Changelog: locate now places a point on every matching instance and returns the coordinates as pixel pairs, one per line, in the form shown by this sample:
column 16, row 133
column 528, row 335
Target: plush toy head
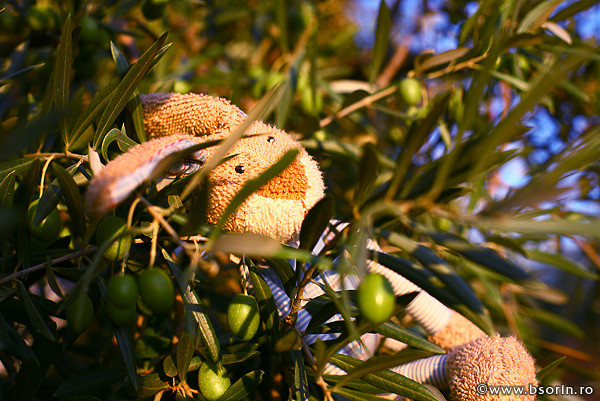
column 277, row 209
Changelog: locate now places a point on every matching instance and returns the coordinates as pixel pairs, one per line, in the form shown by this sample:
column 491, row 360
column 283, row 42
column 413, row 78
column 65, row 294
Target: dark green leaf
column 556, row 322
column 300, row 380
column 392, row 330
column 374, row 371
column 28, row 380
column 481, row 255
column 36, row 319
column 24, row 136
column 367, row 172
column 137, row 112
column 572, row 9
column 561, row 262
column 241, row 356
column 72, row 197
column 125, row 89
column 243, row 387
column 51, row 278
column 126, row 346
column 16, row 166
column 546, row 370
column 442, row 58
column 7, row 189
column 185, row 352
column 89, row 382
column 382, row 38
column 194, row 305
column 50, row 198
column 266, row 302
column 123, row 141
column 148, row 386
column 62, row 75
column 285, row 272
column 315, row 222
column 169, row 367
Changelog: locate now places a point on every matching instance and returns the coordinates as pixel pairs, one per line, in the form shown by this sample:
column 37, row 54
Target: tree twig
column 20, row 273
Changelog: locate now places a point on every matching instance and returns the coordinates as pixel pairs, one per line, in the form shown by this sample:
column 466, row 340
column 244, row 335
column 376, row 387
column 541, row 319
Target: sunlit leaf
column 243, row 387
column 382, row 37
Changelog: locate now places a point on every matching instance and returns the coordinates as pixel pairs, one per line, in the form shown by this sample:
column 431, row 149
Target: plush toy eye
column 270, row 139
column 239, row 169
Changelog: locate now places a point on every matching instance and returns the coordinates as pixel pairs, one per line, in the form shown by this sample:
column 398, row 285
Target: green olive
column 120, row 316
column 375, row 298
column 123, row 291
column 410, row 91
column 154, row 9
column 243, row 316
column 89, row 30
column 80, row 313
column 156, row 290
column 48, row 229
column 212, row 382
column 109, row 228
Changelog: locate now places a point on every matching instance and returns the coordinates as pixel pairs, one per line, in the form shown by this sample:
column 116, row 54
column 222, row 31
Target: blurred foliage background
column 489, row 168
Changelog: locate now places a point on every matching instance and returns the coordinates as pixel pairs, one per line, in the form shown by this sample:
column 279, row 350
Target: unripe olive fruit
column 48, row 229
column 123, row 291
column 243, row 316
column 156, row 290
column 120, row 316
column 109, row 228
column 89, row 30
column 375, row 298
column 410, row 91
column 80, row 313
column 154, row 9
column 212, row 382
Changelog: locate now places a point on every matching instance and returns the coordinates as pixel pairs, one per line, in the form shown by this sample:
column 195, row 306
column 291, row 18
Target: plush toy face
column 276, row 209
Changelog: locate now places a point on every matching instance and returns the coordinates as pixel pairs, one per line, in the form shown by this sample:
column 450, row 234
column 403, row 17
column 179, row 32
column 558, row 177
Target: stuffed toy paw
column 177, row 123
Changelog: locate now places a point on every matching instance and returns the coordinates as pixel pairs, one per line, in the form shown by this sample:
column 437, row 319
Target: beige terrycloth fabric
column 193, row 114
column 278, row 208
column 459, row 330
column 493, row 361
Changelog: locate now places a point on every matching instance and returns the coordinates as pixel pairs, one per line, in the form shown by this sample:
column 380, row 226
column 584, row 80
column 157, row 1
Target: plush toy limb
column 119, row 178
column 193, row 114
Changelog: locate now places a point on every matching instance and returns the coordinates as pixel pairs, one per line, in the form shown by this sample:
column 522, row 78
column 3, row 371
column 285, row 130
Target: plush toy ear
column 123, row 175
column 193, row 114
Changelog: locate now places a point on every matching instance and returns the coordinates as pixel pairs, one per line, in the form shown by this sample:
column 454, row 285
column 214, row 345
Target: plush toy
column 176, row 122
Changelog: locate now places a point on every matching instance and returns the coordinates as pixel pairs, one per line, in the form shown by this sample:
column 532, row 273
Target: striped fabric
column 430, row 370
column 425, row 309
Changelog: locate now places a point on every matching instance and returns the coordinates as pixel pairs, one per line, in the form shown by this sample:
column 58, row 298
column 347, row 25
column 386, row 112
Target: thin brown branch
column 394, row 65
column 64, row 154
column 32, row 269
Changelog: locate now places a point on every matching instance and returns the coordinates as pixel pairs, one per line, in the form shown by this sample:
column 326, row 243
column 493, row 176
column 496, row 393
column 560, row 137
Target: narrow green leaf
column 442, row 58
column 240, row 356
column 50, row 198
column 123, row 140
column 125, row 89
column 36, row 319
column 266, row 302
column 16, row 166
column 316, row 221
column 539, row 14
column 89, row 382
column 374, row 371
column 285, row 272
column 354, row 395
column 243, row 387
column 73, row 198
column 572, row 9
column 546, row 370
column 563, row 263
column 28, row 380
column 382, row 38
column 137, row 112
column 169, row 366
column 147, row 386
column 23, row 137
column 62, row 77
column 556, row 322
column 252, row 185
column 185, row 352
column 300, row 380
column 51, row 278
column 417, row 136
column 392, row 330
column 367, row 172
column 126, row 346
column 7, row 189
column 481, row 255
column 194, row 305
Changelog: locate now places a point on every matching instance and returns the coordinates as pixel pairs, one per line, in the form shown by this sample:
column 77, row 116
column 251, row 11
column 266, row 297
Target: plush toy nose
column 291, row 183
